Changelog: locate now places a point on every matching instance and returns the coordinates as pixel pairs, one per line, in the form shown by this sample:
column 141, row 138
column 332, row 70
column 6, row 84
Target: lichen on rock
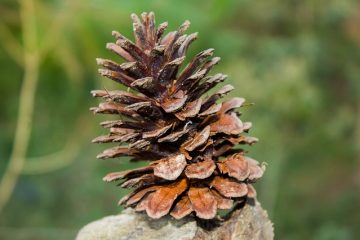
column 247, row 223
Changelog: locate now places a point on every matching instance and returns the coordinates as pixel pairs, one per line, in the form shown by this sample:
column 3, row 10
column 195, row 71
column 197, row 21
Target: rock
column 248, row 223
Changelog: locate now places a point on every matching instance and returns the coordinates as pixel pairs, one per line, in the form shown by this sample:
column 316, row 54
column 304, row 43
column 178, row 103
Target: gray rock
column 248, row 223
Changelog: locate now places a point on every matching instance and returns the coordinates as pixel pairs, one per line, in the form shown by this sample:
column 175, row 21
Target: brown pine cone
column 189, row 138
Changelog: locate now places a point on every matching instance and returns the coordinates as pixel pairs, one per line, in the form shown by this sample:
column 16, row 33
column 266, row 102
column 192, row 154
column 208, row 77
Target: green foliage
column 298, row 61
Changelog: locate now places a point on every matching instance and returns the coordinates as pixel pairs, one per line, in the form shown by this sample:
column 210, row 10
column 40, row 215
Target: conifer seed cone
column 189, row 137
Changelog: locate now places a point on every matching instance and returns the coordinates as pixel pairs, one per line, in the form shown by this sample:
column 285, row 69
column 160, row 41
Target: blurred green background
column 299, row 61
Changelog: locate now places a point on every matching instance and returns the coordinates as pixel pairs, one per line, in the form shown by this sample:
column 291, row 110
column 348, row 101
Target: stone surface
column 249, row 222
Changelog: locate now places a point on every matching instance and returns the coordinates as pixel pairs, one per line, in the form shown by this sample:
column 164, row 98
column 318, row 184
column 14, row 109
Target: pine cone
column 189, row 138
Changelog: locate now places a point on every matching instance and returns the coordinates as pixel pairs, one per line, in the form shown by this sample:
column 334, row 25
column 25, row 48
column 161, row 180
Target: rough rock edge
column 248, row 223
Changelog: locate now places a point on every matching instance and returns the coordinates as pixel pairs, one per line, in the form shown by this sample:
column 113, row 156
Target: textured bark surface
column 248, row 223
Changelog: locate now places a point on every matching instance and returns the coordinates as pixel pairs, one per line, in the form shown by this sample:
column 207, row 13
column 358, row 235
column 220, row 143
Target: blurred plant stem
column 60, row 159
column 51, row 40
column 26, row 102
column 11, row 45
column 29, row 56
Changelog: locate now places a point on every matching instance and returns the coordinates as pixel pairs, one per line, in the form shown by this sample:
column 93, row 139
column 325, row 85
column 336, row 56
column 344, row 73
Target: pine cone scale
column 163, row 199
column 170, row 168
column 200, row 170
column 203, row 202
column 182, row 208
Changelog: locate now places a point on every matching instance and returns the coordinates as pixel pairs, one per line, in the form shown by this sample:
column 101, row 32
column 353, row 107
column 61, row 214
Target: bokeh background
column 298, row 61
